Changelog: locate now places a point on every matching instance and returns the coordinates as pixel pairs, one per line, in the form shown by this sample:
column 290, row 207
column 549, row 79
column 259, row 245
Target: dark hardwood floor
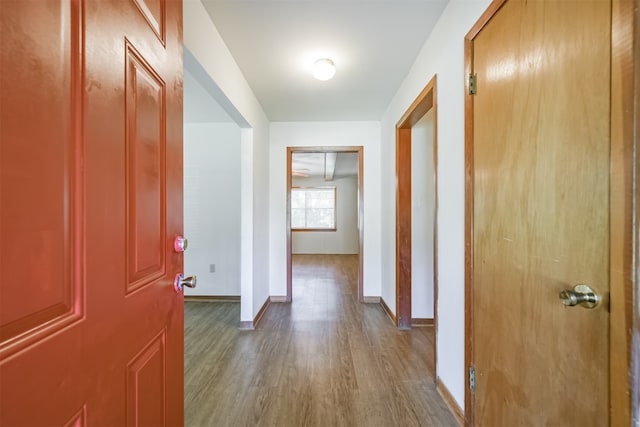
column 324, row 360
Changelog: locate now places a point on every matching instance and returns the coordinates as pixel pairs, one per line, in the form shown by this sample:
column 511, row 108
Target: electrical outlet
column 212, row 268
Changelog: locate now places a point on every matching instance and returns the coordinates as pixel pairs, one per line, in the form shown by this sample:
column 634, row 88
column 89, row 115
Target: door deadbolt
column 180, row 244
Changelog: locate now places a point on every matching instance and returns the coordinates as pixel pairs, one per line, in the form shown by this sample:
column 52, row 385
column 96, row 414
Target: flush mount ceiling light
column 324, row 69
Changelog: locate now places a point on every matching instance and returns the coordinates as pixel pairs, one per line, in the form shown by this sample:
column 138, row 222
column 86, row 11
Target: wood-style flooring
column 324, row 360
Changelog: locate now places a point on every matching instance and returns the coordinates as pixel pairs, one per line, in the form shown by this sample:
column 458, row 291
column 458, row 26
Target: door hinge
column 473, row 80
column 472, row 379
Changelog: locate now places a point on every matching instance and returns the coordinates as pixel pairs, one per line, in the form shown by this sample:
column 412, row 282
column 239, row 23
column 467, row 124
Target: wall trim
column 425, row 102
column 212, row 298
column 634, row 375
column 371, row 300
column 248, row 325
column 278, row 298
column 263, row 310
column 623, row 205
column 422, row 322
column 468, row 203
column 387, row 310
column 450, row 401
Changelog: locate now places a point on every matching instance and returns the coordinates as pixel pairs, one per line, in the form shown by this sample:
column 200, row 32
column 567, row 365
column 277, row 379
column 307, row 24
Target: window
column 313, row 208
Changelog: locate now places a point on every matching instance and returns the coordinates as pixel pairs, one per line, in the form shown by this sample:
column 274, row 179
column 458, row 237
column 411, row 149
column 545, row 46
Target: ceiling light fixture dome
column 324, row 69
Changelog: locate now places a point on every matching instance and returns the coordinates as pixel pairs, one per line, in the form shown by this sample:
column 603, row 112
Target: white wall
column 422, row 212
column 323, row 134
column 212, row 207
column 264, row 183
column 344, row 240
column 442, row 54
column 231, row 90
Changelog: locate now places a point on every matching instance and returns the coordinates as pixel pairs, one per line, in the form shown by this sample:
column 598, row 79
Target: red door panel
column 154, row 12
column 39, row 197
column 91, row 329
column 146, row 377
column 145, row 112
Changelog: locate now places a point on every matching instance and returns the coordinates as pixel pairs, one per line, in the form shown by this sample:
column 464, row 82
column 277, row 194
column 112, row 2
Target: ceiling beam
column 329, row 165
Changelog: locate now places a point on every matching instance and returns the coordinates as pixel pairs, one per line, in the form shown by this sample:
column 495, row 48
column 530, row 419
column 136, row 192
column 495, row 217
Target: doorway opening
column 416, row 196
column 212, row 153
column 335, row 174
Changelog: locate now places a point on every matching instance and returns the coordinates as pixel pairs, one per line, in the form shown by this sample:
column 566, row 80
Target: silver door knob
column 580, row 295
column 180, row 282
column 180, row 244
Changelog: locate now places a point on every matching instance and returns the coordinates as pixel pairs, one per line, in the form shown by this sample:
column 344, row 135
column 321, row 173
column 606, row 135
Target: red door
column 91, row 329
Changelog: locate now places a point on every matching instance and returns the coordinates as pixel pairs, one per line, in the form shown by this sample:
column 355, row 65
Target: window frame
column 335, row 209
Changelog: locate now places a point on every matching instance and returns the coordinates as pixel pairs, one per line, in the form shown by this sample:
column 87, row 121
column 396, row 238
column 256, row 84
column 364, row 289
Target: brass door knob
column 580, row 295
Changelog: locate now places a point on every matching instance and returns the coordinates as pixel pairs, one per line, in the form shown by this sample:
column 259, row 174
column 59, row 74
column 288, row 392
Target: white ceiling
column 372, row 42
column 313, row 165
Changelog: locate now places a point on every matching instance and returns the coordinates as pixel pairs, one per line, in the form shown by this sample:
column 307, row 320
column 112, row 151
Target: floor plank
column 324, row 360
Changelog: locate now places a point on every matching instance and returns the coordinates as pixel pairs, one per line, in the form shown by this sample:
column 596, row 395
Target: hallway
column 324, row 360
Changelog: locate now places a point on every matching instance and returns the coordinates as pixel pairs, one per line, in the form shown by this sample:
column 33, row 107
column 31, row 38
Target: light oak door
column 541, row 213
column 91, row 328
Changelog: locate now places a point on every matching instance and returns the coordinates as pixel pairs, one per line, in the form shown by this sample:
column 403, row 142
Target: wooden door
column 541, row 213
column 91, row 329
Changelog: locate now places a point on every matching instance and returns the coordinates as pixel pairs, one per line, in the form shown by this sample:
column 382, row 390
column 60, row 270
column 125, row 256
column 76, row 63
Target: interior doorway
column 416, row 128
column 212, row 212
column 330, row 165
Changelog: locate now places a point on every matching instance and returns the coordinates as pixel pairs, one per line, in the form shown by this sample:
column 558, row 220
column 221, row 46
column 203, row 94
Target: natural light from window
column 313, row 208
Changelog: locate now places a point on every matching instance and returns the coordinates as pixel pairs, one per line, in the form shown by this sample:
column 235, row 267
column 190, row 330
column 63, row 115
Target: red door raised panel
column 91, row 329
